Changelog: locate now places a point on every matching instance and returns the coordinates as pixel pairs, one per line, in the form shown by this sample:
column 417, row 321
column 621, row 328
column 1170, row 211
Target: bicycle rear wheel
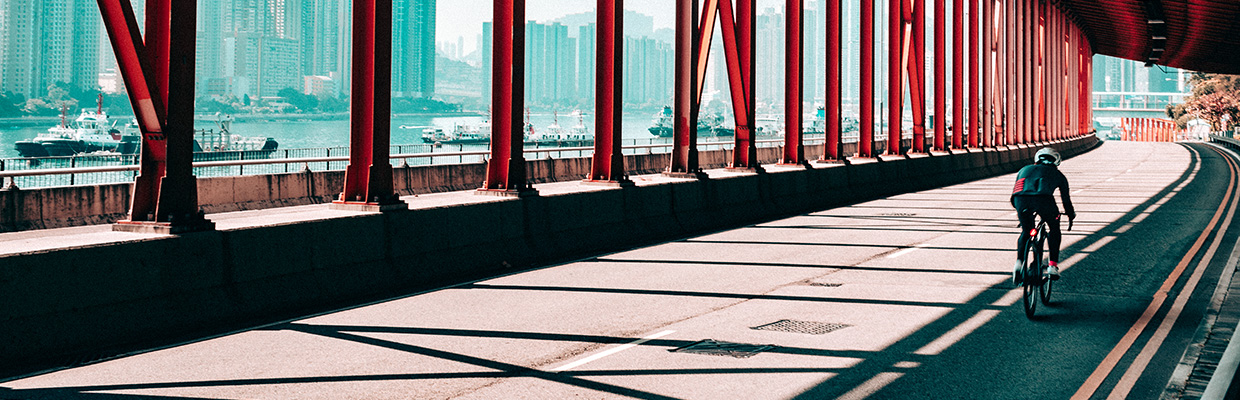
column 1031, row 258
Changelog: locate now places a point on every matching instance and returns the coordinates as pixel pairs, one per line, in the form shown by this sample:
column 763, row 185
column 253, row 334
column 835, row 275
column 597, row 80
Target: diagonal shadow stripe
column 792, row 265
column 740, row 296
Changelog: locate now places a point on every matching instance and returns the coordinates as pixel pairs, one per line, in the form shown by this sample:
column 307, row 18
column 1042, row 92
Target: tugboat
column 90, row 132
column 213, row 145
column 708, row 125
column 577, row 135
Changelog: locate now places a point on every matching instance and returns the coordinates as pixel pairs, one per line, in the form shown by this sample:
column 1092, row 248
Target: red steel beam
column 865, row 143
column 834, row 146
column 608, row 160
column 684, row 157
column 793, row 80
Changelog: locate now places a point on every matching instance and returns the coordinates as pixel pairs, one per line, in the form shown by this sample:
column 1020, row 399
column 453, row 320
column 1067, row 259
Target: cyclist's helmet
column 1047, row 156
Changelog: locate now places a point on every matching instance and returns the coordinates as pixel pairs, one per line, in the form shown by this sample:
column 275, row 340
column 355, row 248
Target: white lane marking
column 611, row 351
column 905, row 251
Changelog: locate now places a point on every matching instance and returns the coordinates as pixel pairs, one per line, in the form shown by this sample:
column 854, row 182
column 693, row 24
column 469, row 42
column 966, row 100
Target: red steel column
column 1037, row 11
column 834, row 146
column 865, row 143
column 155, row 163
column 368, row 177
column 974, row 72
column 917, row 74
column 745, row 151
column 940, row 76
column 145, row 97
column 958, row 82
column 1009, row 72
column 684, row 133
column 793, row 80
column 1023, row 57
column 607, row 164
column 1018, row 71
column 989, row 64
column 506, row 168
column 178, row 193
column 895, row 81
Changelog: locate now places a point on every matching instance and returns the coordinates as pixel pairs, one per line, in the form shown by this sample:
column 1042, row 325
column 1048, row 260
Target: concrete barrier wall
column 101, row 204
column 97, row 300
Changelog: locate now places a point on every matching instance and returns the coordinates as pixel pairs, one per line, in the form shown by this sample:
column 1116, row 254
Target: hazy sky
column 456, row 18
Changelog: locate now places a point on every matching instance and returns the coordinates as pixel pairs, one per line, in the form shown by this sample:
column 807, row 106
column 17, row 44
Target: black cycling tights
column 1026, row 207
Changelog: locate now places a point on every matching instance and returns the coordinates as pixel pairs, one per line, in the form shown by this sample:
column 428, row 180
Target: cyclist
column 1034, row 193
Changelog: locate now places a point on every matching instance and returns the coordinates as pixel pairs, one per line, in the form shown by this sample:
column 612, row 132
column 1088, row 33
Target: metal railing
column 94, row 169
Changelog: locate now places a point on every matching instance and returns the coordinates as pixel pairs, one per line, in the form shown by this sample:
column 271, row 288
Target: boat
column 662, row 125
column 91, row 131
column 554, row 134
column 222, row 144
column 467, row 134
column 708, row 125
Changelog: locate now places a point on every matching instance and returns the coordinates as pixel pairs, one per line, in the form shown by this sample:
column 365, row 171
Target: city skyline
column 260, row 47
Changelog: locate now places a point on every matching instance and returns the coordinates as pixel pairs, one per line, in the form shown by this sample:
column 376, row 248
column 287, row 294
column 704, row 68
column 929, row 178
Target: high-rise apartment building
column 587, row 59
column 47, row 41
column 413, row 48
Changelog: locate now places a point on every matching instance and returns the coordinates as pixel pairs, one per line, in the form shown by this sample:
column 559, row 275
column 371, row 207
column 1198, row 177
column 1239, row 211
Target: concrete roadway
column 919, row 285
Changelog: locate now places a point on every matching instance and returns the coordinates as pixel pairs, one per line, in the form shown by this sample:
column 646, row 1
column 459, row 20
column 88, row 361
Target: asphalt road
column 906, row 297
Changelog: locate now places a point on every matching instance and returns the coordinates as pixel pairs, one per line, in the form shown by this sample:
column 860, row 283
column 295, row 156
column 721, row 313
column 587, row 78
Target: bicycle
column 1035, row 286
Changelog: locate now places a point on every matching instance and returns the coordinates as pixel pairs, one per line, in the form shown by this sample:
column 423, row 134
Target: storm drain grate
column 896, row 214
column 825, row 284
column 810, row 327
column 713, row 347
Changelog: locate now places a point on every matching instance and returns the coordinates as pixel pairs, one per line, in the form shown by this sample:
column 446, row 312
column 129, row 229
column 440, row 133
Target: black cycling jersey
column 1042, row 180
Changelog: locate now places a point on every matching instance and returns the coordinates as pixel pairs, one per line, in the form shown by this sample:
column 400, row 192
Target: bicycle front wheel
column 1045, row 280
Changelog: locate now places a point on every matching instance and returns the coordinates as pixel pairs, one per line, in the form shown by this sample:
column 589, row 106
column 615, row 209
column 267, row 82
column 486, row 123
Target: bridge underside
column 906, row 296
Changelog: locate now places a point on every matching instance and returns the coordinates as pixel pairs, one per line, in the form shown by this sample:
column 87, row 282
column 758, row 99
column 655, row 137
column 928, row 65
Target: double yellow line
column 1129, row 379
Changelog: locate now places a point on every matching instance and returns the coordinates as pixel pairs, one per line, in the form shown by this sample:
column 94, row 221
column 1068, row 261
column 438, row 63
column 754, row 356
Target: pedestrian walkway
column 902, row 297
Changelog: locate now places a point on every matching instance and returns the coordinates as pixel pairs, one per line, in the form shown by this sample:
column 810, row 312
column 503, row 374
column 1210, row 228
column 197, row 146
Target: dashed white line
column 611, row 351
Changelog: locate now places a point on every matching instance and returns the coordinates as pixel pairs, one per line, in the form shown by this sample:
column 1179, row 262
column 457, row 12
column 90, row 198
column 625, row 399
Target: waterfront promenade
column 907, row 296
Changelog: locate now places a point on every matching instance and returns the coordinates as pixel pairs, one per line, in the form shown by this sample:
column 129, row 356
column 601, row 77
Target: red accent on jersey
column 1020, row 185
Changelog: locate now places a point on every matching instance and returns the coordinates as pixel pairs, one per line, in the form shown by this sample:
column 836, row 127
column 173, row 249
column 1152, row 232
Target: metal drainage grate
column 810, row 327
column 896, row 214
column 825, row 284
column 713, row 347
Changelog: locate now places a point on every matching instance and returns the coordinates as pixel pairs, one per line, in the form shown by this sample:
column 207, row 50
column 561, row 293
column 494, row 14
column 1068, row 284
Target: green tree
column 303, row 102
column 1215, row 98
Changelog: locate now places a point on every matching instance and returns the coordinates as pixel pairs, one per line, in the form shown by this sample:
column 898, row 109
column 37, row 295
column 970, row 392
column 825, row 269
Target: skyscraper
column 47, row 41
column 413, row 48
column 587, row 41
